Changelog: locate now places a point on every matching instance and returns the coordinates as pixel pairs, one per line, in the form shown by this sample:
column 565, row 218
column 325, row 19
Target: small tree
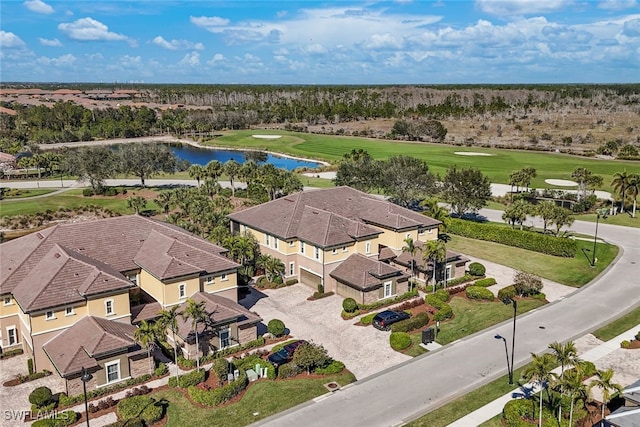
column 276, row 327
column 477, row 269
column 526, row 283
column 137, row 203
column 311, row 356
column 349, row 305
column 604, row 381
column 41, row 396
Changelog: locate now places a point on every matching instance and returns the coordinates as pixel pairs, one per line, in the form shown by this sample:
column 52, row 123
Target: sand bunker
column 267, row 136
column 471, row 153
column 561, row 182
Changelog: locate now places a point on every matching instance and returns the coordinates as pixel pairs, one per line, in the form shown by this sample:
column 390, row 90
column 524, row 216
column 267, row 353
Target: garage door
column 309, row 278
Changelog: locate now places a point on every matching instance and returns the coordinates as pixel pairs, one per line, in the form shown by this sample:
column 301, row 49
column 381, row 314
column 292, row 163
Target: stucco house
column 115, row 271
column 316, row 232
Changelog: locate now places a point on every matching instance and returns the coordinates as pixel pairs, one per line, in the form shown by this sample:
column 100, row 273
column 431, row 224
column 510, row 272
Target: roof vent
column 56, row 255
column 40, row 236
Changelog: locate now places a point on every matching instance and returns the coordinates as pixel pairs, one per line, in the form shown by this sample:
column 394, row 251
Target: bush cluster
column 408, row 305
column 335, row 367
column 289, row 370
column 411, row 324
column 41, row 396
column 625, row 344
column 399, row 340
column 250, row 362
column 276, row 327
column 290, row 282
column 219, row 395
column 320, row 295
column 364, row 308
column 102, row 405
column 137, row 391
column 508, row 292
column 160, row 370
column 349, row 305
column 438, row 299
column 64, row 400
column 527, row 284
column 444, row 313
column 478, row 292
column 529, row 240
column 144, row 407
column 489, row 281
column 477, row 269
column 368, row 319
column 194, row 377
column 221, row 368
column 455, row 282
column 65, row 418
column 11, row 353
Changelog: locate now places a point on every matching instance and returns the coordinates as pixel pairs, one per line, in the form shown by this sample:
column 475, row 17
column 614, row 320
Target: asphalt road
column 404, row 392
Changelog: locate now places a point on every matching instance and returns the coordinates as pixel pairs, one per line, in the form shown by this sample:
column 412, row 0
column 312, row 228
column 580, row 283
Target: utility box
column 428, row 335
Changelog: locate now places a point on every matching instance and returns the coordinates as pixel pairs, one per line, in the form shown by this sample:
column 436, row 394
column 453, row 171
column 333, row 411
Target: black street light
column 506, row 352
column 86, row 377
column 513, row 302
column 599, row 213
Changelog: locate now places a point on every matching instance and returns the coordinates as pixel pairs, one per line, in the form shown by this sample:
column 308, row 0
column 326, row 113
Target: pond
column 202, row 156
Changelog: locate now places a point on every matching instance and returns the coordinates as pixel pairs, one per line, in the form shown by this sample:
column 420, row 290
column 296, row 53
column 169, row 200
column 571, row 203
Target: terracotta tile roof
column 88, row 339
column 365, row 274
column 221, row 310
column 145, row 312
column 311, row 213
column 386, row 254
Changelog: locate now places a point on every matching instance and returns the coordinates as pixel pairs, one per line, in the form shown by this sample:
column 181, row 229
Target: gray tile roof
column 364, row 273
column 331, row 216
column 89, row 338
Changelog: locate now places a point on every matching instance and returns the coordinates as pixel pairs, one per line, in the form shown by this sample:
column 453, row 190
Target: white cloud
column 281, row 14
column 520, row 7
column 383, row 41
column 61, row 61
column 315, row 48
column 89, row 29
column 10, row 40
column 617, row 4
column 191, row 59
column 209, row 21
column 38, row 6
column 177, row 44
column 50, row 42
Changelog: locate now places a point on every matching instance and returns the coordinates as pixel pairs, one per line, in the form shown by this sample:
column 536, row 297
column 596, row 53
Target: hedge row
column 478, row 292
column 365, row 308
column 194, row 377
column 444, row 313
column 219, row 395
column 529, row 240
column 335, row 367
column 411, row 324
column 489, row 281
column 289, row 370
column 62, row 419
column 143, row 407
column 65, row 400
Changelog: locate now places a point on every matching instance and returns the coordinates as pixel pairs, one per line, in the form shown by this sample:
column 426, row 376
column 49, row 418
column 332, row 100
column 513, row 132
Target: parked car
column 385, row 319
column 285, row 354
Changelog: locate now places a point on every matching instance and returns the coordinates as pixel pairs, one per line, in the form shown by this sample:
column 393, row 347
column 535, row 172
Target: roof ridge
column 298, row 197
column 56, row 246
column 18, row 267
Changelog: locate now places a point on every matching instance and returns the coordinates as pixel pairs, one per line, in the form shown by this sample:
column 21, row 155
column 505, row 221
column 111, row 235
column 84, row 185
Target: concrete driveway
column 364, row 350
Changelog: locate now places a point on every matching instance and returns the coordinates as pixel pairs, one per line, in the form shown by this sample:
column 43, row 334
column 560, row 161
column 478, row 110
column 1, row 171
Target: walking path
column 595, row 355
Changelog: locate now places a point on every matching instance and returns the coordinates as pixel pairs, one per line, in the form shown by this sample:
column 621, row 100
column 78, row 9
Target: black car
column 385, row 319
column 285, row 354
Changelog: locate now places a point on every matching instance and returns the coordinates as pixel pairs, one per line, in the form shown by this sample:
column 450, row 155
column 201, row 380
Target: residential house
column 123, row 269
column 314, row 232
column 629, row 414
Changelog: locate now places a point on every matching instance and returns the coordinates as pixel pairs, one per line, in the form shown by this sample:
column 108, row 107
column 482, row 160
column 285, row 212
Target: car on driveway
column 385, row 319
column 285, row 354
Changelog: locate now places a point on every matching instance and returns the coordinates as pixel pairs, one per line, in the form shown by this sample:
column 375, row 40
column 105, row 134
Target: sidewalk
column 495, row 407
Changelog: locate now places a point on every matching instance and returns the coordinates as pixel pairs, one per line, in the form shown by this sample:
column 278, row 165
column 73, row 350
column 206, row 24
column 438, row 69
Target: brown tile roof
column 145, row 312
column 365, row 274
column 64, row 277
column 221, row 310
column 88, row 339
column 308, row 214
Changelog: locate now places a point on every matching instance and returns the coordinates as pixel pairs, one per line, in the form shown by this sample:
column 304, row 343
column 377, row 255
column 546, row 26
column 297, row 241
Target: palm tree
column 620, row 184
column 633, row 190
column 434, row 251
column 197, row 313
column 136, row 203
column 196, row 172
column 213, row 169
column 574, row 387
column 232, row 169
column 145, row 335
column 565, row 355
column 164, row 201
column 411, row 249
column 604, row 381
column 539, row 372
column 433, row 210
column 169, row 319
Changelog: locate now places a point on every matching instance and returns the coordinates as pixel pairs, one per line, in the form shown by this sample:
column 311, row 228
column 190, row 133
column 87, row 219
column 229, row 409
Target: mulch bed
column 634, row 344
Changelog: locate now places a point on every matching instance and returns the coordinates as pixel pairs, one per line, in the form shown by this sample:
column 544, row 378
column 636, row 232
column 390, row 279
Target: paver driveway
column 364, row 350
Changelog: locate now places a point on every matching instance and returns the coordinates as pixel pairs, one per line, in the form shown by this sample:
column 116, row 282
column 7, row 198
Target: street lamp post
column 513, row 302
column 86, row 377
column 506, row 352
column 599, row 213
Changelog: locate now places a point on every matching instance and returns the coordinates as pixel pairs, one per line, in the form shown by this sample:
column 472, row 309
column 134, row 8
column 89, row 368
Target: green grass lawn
column 474, row 316
column 493, row 422
column 618, row 326
column 265, row 397
column 624, row 219
column 20, row 193
column 568, row 271
column 497, row 167
column 415, row 349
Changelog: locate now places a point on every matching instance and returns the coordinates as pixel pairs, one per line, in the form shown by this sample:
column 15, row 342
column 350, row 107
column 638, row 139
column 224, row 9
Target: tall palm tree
column 169, row 319
column 620, row 183
column 197, row 313
column 566, row 355
column 539, row 372
column 411, row 248
column 604, row 381
column 213, row 169
column 434, row 251
column 163, row 200
column 146, row 335
column 433, row 210
column 232, row 169
column 136, row 203
column 196, row 172
column 573, row 386
column 633, row 189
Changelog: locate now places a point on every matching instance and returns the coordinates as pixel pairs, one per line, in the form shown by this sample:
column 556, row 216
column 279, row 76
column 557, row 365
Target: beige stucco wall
column 8, row 309
column 217, row 284
column 96, row 307
column 10, row 321
column 101, row 375
column 40, row 323
column 167, row 293
column 151, row 285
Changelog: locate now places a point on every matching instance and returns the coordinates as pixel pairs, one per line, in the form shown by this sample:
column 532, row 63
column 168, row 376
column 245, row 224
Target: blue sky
column 314, row 42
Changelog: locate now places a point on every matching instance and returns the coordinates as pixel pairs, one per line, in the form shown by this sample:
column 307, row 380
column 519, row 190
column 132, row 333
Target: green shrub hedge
column 62, row 419
column 64, row 400
column 250, row 362
column 219, row 395
column 478, row 292
column 276, row 327
column 368, row 319
column 489, row 281
column 41, row 396
column 289, row 370
column 335, row 367
column 143, row 407
column 507, row 293
column 543, row 243
column 399, row 340
column 194, row 377
column 434, row 301
column 445, row 312
column 160, row 370
column 477, row 269
column 349, row 305
column 443, row 295
column 220, row 367
column 411, row 324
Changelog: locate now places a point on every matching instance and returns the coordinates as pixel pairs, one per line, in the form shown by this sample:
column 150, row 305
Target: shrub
column 219, row 395
column 411, row 324
column 408, row 305
column 41, row 396
column 289, row 370
column 445, row 312
column 64, row 400
column 221, row 368
column 250, row 362
column 625, row 344
column 399, row 340
column 160, row 370
column 259, row 342
column 508, row 292
column 478, row 292
column 443, row 295
column 489, row 281
column 11, row 353
column 458, row 281
column 320, row 288
column 143, row 407
column 186, row 363
column 335, row 367
column 276, row 327
column 194, row 377
column 368, row 319
column 476, row 269
column 310, row 356
column 291, row 282
column 30, row 366
column 87, row 192
column 434, row 301
column 526, row 283
column 637, row 337
column 349, row 305
column 62, row 419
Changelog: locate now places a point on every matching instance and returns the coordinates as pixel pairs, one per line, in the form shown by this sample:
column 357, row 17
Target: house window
column 208, row 280
column 367, row 247
column 430, row 231
column 133, row 278
column 182, row 290
column 420, row 232
column 316, row 253
column 108, row 307
column 292, row 268
column 12, row 337
column 292, row 243
column 224, row 277
column 447, row 273
column 275, row 242
column 344, row 249
column 302, row 247
column 266, row 239
column 334, row 251
column 224, row 339
column 68, row 311
column 113, row 371
column 49, row 315
column 388, row 287
column 7, row 301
